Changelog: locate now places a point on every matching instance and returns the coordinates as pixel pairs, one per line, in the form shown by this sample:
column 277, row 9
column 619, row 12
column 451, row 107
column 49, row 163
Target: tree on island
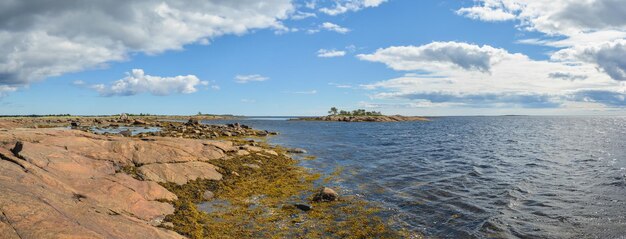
column 359, row 112
column 333, row 111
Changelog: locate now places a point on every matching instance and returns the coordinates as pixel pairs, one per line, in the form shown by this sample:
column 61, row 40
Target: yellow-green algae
column 261, row 204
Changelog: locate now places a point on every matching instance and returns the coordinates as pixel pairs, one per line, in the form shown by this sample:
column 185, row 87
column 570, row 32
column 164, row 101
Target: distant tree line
column 35, row 116
column 359, row 112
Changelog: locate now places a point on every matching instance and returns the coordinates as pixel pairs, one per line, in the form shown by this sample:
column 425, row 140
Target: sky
column 282, row 57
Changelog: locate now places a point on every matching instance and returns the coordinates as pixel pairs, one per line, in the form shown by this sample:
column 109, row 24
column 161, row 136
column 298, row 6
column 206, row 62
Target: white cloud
column 242, row 79
column 343, row 6
column 298, row 15
column 40, row 39
column 248, row 101
column 4, row 89
column 137, row 82
column 590, row 31
column 483, row 76
column 325, row 53
column 334, row 27
column 608, row 56
column 437, row 56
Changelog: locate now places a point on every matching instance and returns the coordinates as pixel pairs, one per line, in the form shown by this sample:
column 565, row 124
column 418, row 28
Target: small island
column 361, row 115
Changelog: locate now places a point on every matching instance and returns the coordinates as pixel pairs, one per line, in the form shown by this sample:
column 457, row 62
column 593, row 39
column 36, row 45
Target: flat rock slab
column 69, row 184
column 179, row 173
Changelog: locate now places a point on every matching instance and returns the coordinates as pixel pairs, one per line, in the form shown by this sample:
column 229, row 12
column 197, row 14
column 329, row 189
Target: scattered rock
column 208, row 195
column 326, row 195
column 251, row 165
column 192, row 121
column 303, row 207
column 126, row 133
column 139, row 122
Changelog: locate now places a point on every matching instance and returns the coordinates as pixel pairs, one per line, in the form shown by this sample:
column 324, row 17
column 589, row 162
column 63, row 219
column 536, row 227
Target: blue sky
column 261, row 58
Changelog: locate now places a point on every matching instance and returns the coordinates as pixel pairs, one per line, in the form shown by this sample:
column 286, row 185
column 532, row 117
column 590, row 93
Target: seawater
column 477, row 177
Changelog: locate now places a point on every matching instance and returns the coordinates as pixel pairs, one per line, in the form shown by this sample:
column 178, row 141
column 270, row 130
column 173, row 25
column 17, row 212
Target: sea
column 475, row 177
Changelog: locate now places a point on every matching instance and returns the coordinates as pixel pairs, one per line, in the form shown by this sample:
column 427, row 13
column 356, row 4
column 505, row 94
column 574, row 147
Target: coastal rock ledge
column 58, row 183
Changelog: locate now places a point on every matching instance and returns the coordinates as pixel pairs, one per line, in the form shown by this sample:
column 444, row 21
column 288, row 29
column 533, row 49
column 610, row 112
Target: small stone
column 208, row 195
column 234, row 173
column 251, row 165
column 326, row 195
column 167, row 224
column 126, row 133
column 303, row 207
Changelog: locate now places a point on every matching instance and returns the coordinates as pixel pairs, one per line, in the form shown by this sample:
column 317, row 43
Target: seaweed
column 262, row 204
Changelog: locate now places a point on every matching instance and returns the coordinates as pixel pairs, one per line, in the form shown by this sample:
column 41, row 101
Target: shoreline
column 67, row 176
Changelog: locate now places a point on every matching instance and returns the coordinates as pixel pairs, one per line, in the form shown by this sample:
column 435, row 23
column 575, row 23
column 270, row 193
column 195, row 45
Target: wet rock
column 126, row 133
column 326, row 195
column 303, row 207
column 297, row 151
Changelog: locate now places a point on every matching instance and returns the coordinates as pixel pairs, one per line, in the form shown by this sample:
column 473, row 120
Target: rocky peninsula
column 59, row 178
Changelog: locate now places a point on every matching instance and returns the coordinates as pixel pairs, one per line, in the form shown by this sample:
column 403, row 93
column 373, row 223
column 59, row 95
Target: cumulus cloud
column 40, row 39
column 325, row 53
column 343, row 6
column 483, row 76
column 610, row 57
column 592, row 31
column 242, row 79
column 137, row 82
column 329, row 26
column 564, row 17
column 439, row 55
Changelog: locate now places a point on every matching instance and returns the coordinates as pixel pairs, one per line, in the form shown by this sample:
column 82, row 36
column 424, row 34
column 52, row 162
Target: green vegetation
column 359, row 112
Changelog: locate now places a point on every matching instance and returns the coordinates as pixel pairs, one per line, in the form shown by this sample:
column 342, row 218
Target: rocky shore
column 379, row 118
column 60, row 180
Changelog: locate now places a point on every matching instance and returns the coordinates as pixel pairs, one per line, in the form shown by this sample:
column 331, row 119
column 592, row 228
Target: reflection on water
column 525, row 177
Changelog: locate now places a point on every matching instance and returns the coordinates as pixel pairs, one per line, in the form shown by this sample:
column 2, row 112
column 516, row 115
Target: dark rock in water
column 193, row 122
column 303, row 207
column 297, row 151
column 126, row 133
column 75, row 124
column 326, row 195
